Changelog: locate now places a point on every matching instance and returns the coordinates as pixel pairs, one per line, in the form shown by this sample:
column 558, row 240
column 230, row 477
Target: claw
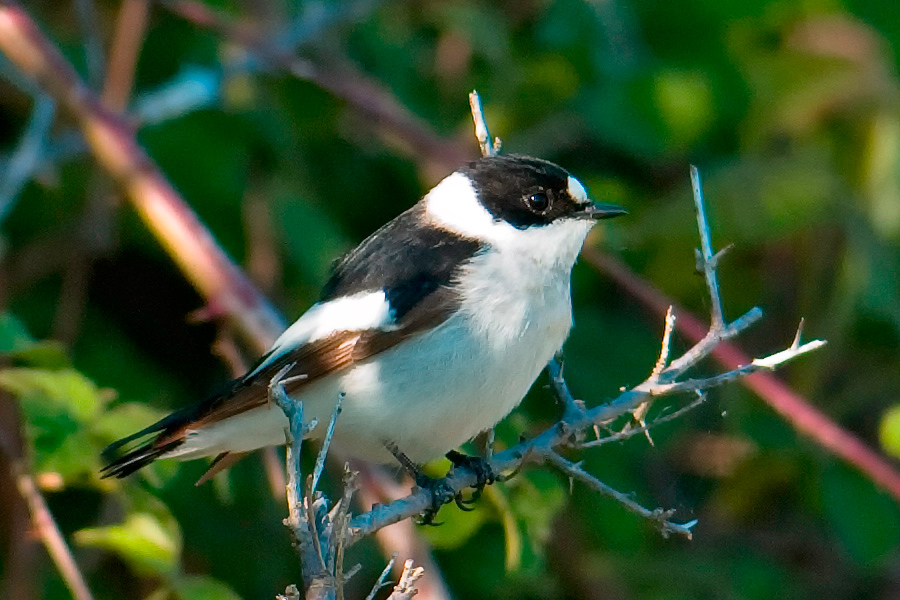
column 483, row 472
column 463, row 504
column 441, row 494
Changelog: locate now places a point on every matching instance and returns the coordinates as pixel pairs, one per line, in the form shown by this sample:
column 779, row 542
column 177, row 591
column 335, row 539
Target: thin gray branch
column 665, row 346
column 707, row 259
column 646, row 427
column 658, row 516
column 92, row 41
column 768, row 363
column 488, row 146
column 382, row 579
column 28, row 156
column 405, row 588
column 572, row 408
column 326, row 443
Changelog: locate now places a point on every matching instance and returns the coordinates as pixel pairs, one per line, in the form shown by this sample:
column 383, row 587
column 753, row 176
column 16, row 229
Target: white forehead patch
column 577, row 191
column 453, row 206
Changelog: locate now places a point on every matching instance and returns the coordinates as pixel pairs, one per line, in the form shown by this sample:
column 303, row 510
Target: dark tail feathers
column 123, row 465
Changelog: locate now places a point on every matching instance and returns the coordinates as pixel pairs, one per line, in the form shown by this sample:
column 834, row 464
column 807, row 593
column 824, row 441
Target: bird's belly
column 427, row 395
column 437, row 391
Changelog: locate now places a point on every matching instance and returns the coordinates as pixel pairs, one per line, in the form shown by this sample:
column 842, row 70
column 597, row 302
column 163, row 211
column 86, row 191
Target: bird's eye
column 538, row 202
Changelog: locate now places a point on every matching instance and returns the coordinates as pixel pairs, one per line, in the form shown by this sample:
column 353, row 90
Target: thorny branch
column 321, row 531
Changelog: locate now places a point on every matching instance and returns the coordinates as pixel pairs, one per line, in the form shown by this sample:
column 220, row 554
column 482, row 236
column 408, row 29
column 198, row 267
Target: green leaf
column 64, row 390
column 13, row 335
column 60, row 407
column 125, row 419
column 48, row 354
column 457, row 526
column 142, row 541
column 203, row 588
column 865, row 518
column 889, row 431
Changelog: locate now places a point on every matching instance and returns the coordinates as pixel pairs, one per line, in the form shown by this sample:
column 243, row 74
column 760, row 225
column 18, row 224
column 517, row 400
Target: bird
column 431, row 330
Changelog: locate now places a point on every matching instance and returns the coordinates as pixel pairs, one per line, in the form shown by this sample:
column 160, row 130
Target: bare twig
column 405, row 588
column 640, row 413
column 382, row 579
column 645, row 427
column 42, row 519
column 572, row 408
column 326, row 443
column 658, row 516
column 51, row 536
column 28, row 156
column 488, row 147
column 665, row 347
column 707, row 260
column 92, row 41
column 320, row 535
column 123, row 56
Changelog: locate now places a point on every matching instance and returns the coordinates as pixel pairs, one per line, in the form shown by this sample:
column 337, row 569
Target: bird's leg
column 483, row 473
column 441, row 493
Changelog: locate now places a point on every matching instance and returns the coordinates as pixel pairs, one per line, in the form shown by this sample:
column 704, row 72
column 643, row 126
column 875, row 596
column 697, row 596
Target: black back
column 406, row 258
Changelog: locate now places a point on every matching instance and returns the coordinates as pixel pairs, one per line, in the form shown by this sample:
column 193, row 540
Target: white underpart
column 440, row 388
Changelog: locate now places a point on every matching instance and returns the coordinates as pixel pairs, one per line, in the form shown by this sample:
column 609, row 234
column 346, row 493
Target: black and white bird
column 433, row 329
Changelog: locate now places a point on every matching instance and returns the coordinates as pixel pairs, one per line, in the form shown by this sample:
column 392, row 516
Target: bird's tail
column 121, row 465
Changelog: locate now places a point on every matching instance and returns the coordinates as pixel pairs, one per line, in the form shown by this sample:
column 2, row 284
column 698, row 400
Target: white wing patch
column 365, row 310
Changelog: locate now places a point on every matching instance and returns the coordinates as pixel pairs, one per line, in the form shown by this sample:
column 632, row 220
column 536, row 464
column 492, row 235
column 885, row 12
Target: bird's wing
column 381, row 294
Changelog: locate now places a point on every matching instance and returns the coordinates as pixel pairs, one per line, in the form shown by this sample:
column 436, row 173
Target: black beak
column 599, row 211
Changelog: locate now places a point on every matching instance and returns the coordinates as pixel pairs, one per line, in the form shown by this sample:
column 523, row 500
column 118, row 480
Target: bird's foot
column 484, row 475
column 441, row 494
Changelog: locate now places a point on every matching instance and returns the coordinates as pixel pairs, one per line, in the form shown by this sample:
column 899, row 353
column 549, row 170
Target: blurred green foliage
column 790, row 108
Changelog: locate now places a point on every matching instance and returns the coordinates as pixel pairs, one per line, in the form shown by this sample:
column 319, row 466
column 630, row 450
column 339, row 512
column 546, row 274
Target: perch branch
column 321, row 534
column 562, row 434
